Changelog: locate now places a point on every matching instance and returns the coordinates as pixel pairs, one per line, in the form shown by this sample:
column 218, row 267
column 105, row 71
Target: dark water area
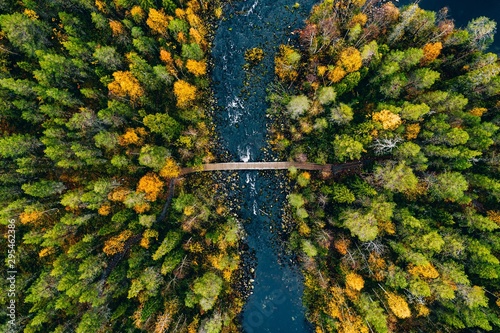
column 463, row 11
column 275, row 304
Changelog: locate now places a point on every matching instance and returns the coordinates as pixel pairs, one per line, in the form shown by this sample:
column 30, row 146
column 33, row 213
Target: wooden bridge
column 232, row 166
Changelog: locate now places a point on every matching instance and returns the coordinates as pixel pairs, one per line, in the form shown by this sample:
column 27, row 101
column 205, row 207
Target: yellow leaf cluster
column 46, row 251
column 359, row 18
column 321, row 70
column 171, row 169
column 193, row 326
column 387, row 226
column 350, row 59
column 101, row 6
column 188, row 210
column 116, row 27
column 336, row 74
column 184, row 92
column 180, row 13
column 304, row 229
column 31, row 14
column 116, row 244
column 494, row 215
column 398, row 305
column 104, row 210
column 194, row 20
column 164, row 320
column 137, row 13
column 389, row 120
column 158, row 21
column 30, row 217
column 412, row 131
column 195, row 247
column 426, row 271
column 478, row 112
column 196, row 67
column 285, row 66
column 130, row 137
column 342, row 245
column 422, row 310
column 318, row 330
column 142, row 208
column 125, row 84
column 118, row 194
column 218, row 12
column 353, row 324
column 166, row 57
column 431, row 52
column 151, row 185
column 378, row 266
column 354, row 281
column 181, row 37
column 148, row 233
column 220, row 210
column 197, row 37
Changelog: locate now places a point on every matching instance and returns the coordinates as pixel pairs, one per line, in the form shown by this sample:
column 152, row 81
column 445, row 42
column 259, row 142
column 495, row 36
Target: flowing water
column 275, row 304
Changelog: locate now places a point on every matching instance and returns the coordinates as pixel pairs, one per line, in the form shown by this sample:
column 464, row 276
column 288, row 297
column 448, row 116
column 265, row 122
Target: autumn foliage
column 431, row 52
column 158, row 21
column 389, row 120
column 185, row 93
column 197, row 68
column 116, row 244
column 116, row 27
column 398, row 305
column 125, row 84
column 171, row 169
column 151, row 185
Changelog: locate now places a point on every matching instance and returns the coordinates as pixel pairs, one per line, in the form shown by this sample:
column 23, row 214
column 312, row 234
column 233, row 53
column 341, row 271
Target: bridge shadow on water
column 276, row 302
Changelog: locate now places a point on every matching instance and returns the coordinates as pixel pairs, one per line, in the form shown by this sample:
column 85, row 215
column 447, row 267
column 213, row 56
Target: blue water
column 275, row 304
column 462, row 11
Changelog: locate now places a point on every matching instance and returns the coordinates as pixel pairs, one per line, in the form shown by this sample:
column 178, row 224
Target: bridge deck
column 257, row 166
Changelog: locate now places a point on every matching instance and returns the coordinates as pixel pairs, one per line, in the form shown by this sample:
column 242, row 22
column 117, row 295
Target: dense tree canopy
column 406, row 238
column 97, row 116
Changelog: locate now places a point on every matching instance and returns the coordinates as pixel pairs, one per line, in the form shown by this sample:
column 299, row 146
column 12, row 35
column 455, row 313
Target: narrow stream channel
column 275, row 304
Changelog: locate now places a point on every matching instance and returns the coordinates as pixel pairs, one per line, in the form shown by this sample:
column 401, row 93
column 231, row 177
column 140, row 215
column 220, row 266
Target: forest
column 101, row 104
column 407, row 238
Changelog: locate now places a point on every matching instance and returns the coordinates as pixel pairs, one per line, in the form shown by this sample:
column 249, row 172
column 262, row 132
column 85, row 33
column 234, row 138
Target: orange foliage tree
column 350, row 59
column 389, row 120
column 131, row 136
column 286, row 63
column 184, row 92
column 158, row 21
column 116, row 244
column 412, row 131
column 196, row 67
column 398, row 305
column 30, row 217
column 125, row 84
column 171, row 169
column 116, row 27
column 118, row 194
column 151, row 185
column 137, row 13
column 354, row 281
column 431, row 52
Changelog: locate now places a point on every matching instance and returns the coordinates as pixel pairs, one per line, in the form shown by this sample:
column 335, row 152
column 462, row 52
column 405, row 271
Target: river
column 275, row 304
